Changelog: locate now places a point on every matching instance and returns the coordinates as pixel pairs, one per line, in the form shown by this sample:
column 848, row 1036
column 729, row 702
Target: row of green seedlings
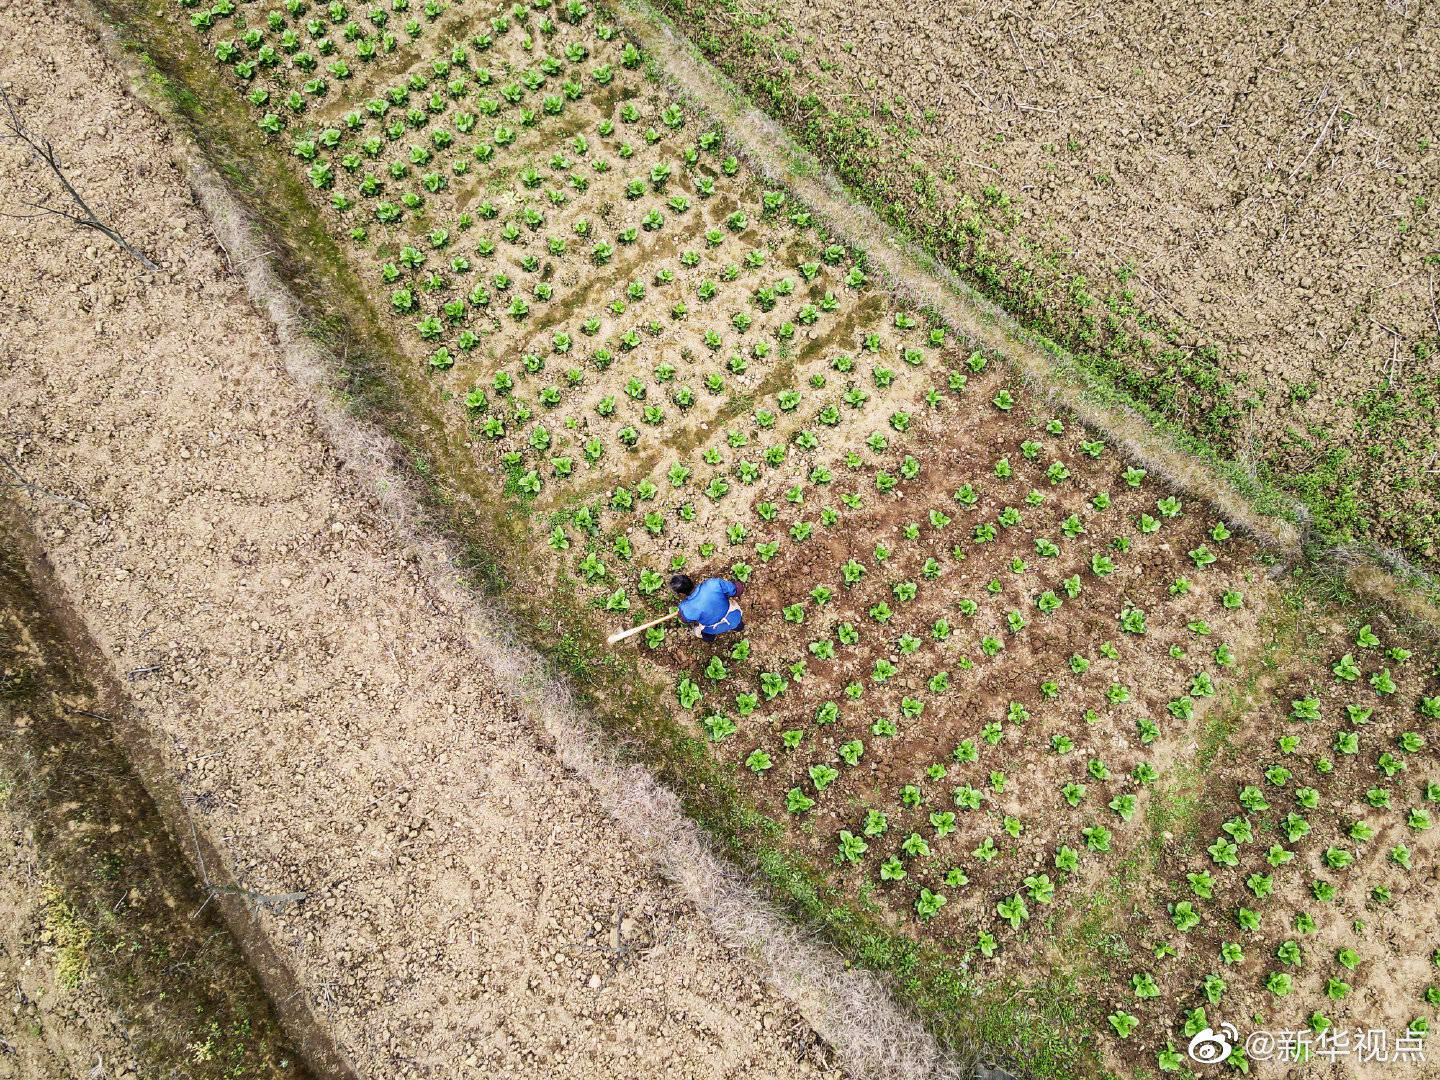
column 278, row 67
column 506, row 382
column 557, row 220
column 1101, row 564
column 636, row 409
column 1037, row 888
column 715, row 279
column 658, row 182
column 946, row 636
column 412, row 257
column 310, row 148
column 1095, row 837
column 1200, row 684
column 455, row 320
column 1340, row 853
column 365, row 133
column 1278, row 982
column 842, row 643
column 804, row 439
column 652, row 582
column 541, row 441
column 747, row 471
column 278, row 51
column 772, row 684
column 526, row 206
column 586, row 333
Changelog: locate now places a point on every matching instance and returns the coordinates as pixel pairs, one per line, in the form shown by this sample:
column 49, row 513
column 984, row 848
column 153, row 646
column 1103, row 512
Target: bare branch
column 43, row 152
column 274, row 902
column 1434, row 311
column 34, row 489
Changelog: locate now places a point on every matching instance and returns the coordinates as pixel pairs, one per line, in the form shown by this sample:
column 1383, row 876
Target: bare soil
column 470, row 910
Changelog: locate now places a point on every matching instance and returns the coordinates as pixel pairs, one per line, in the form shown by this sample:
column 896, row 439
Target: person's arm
column 729, row 588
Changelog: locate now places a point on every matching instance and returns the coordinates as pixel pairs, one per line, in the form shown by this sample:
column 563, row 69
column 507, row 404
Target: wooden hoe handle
column 621, row 635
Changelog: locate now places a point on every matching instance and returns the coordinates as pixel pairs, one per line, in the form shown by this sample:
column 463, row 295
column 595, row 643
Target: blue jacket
column 710, row 608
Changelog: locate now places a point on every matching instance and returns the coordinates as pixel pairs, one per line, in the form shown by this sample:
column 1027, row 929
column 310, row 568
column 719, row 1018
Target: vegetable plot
column 988, row 687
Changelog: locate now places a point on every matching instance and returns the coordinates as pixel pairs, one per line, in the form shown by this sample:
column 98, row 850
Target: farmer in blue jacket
column 709, row 607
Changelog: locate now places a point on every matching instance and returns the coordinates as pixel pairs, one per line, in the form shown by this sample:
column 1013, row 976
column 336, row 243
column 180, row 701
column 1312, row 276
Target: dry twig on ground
column 31, row 489
column 1317, row 142
column 274, row 902
column 43, row 152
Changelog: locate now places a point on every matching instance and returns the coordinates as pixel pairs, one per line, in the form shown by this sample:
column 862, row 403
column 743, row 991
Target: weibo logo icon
column 1211, row 1047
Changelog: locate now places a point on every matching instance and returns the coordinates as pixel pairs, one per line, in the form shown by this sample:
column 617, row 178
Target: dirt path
column 471, row 909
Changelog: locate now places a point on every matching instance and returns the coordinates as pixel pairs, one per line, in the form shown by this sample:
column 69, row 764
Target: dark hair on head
column 681, row 584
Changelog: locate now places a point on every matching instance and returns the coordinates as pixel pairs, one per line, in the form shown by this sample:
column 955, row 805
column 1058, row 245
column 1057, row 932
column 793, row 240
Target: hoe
column 621, row 635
